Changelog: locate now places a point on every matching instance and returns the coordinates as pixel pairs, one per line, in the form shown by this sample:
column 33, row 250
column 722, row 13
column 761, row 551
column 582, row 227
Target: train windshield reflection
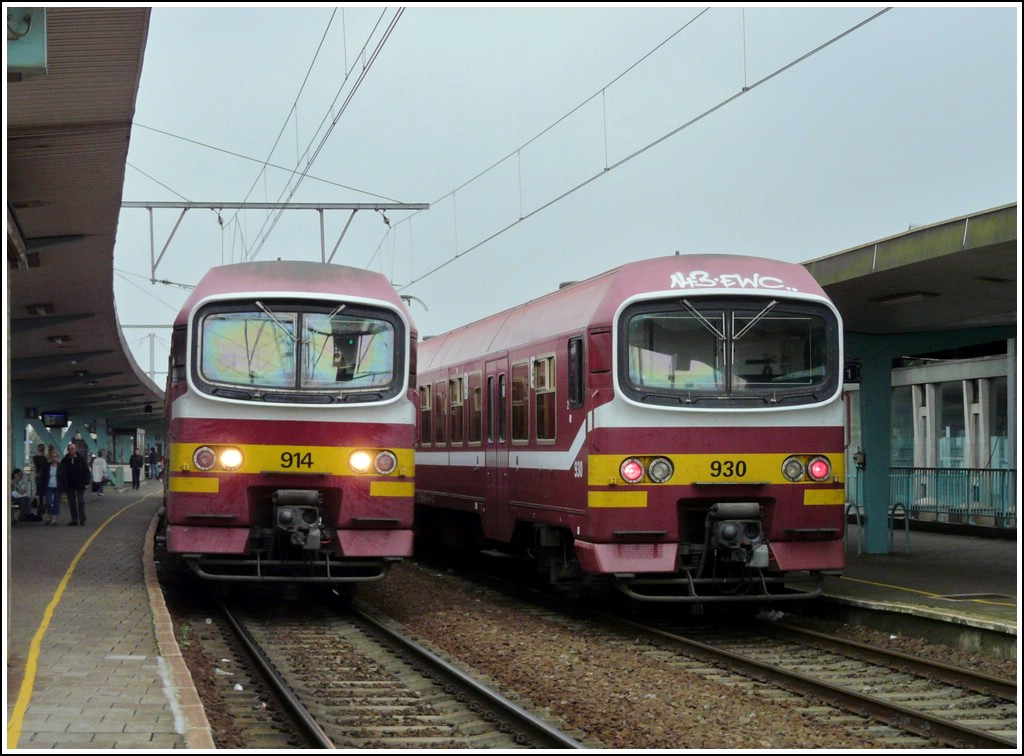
column 726, row 349
column 274, row 347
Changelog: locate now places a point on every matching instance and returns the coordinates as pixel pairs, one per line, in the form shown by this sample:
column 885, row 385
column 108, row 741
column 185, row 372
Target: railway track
column 893, row 699
column 345, row 680
column 935, row 702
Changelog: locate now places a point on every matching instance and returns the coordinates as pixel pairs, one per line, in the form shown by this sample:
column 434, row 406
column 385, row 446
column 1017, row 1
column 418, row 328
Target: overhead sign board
column 26, row 40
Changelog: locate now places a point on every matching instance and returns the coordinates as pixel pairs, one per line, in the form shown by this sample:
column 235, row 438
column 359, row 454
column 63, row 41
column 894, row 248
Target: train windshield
column 281, row 351
column 739, row 352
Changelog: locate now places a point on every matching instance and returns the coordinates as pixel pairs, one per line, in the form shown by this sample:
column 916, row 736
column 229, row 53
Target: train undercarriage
column 728, row 562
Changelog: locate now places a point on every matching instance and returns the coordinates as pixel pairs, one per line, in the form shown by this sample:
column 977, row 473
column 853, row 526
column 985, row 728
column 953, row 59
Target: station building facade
column 953, row 438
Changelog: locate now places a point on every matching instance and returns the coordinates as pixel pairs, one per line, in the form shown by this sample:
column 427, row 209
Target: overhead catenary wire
column 291, row 111
column 364, row 70
column 263, row 232
column 250, row 159
column 745, row 88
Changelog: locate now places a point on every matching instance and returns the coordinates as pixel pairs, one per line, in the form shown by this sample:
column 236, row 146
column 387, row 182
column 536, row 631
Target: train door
column 496, row 445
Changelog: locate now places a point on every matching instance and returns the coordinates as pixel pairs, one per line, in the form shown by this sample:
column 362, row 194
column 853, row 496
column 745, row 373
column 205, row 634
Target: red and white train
column 673, row 427
column 291, row 420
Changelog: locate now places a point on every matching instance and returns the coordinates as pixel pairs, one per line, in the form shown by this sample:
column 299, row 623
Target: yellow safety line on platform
column 32, row 662
column 923, row 593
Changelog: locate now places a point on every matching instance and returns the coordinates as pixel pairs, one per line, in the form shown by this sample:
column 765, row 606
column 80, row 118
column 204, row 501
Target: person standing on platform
column 154, row 461
column 135, row 462
column 40, row 466
column 100, row 471
column 76, row 477
column 55, row 483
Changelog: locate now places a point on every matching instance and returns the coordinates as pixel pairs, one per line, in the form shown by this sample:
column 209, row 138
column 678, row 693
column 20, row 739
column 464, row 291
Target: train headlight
column 231, row 458
column 660, row 469
column 360, row 461
column 819, row 468
column 793, row 469
column 385, row 462
column 631, row 470
column 728, row 531
column 204, row 458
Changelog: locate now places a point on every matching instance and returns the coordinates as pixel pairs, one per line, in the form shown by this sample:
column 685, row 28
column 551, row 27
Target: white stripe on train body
column 673, row 427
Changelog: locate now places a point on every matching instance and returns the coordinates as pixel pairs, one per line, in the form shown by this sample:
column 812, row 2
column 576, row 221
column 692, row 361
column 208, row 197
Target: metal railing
column 972, row 496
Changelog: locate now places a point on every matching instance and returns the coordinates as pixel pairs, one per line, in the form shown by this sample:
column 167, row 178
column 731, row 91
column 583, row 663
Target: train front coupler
column 297, row 514
column 735, row 534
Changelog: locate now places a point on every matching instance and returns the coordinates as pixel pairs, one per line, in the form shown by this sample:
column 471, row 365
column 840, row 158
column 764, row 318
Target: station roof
column 67, row 146
column 957, row 274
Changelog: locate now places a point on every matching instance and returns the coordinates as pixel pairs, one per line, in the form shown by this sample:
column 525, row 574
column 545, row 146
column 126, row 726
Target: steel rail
column 314, row 734
column 537, row 730
column 934, row 670
column 921, row 723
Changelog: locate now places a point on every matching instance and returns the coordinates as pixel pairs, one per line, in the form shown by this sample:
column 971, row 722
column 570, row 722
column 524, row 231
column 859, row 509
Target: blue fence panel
column 974, row 496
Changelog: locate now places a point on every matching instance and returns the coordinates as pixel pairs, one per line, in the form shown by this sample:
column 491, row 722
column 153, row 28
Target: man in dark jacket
column 136, row 462
column 76, row 477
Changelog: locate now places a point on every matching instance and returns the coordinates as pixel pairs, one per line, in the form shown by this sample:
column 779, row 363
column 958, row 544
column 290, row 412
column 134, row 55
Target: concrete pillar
column 876, row 425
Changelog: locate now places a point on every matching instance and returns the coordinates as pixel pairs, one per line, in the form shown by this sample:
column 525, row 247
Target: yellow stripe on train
column 816, row 497
column 392, row 488
column 616, row 499
column 712, row 469
column 182, row 484
column 299, row 459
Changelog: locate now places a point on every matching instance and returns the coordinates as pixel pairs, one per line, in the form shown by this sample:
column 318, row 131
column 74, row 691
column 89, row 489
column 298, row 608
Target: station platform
column 92, row 662
column 966, row 581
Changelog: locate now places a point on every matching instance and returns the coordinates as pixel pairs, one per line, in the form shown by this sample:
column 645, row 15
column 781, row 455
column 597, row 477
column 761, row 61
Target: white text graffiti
column 700, row 279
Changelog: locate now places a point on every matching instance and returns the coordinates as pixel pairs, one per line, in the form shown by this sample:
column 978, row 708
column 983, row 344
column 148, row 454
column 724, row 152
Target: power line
column 124, row 276
column 245, row 157
column 292, row 110
column 323, row 141
column 609, row 168
column 157, row 181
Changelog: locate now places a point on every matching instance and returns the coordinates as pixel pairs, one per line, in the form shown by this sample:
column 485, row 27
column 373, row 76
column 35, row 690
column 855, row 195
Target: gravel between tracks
column 621, row 696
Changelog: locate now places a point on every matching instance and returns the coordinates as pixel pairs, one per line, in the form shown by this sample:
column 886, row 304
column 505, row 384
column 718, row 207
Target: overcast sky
column 615, row 133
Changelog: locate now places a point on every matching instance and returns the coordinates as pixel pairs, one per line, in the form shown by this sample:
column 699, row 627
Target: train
column 671, row 430
column 291, row 420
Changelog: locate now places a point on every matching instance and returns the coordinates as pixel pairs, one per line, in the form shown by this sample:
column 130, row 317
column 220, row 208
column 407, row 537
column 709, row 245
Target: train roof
column 595, row 301
column 282, row 277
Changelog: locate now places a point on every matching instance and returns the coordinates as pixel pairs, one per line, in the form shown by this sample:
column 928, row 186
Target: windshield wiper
column 748, row 326
column 277, row 322
column 703, row 320
column 309, row 342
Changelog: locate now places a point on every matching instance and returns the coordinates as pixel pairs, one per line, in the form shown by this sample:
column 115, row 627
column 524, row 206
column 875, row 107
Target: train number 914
column 728, row 468
column 296, row 459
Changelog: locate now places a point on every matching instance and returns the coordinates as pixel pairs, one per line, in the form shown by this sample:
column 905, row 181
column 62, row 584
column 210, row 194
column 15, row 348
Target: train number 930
column 728, row 468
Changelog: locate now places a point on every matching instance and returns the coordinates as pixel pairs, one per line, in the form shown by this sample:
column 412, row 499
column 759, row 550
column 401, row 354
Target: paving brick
column 100, row 681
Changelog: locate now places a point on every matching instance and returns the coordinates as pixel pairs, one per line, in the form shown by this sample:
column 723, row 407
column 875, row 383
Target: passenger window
column 521, row 402
column 576, row 373
column 178, row 353
column 490, row 409
column 457, row 414
column 475, row 409
column 502, row 399
column 425, row 415
column 441, row 421
column 544, row 384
